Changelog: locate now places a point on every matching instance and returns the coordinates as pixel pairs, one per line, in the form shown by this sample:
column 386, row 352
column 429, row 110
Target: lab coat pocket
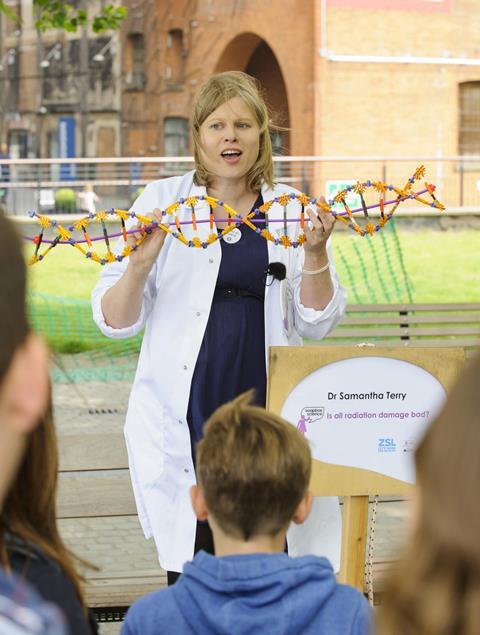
column 145, row 437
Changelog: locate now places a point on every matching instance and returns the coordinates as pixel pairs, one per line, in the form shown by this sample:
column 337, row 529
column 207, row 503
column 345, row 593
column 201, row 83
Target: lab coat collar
column 200, row 190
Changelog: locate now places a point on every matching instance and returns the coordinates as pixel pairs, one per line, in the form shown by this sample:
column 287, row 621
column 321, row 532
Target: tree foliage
column 62, row 15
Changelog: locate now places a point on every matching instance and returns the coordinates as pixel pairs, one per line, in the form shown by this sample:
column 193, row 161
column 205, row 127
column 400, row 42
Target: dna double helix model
column 281, row 220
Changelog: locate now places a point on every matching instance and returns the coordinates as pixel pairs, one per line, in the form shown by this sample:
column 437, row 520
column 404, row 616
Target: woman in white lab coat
column 210, row 315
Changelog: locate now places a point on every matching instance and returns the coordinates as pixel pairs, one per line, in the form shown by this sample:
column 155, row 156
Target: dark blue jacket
column 259, row 593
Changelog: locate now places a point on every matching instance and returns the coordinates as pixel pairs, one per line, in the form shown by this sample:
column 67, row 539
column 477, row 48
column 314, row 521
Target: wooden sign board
column 347, row 400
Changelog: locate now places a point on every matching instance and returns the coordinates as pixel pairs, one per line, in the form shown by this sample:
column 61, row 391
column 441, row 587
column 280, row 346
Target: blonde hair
column 254, row 469
column 219, row 89
column 435, row 587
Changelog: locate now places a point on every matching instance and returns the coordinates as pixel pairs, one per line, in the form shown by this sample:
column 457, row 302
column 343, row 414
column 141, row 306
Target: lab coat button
column 198, row 314
column 185, row 470
column 185, row 367
column 211, row 261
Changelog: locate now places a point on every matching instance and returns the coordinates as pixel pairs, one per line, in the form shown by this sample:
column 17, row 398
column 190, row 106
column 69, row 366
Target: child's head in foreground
column 253, row 471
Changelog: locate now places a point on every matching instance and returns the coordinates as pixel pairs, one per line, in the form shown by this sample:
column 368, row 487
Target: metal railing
column 33, row 184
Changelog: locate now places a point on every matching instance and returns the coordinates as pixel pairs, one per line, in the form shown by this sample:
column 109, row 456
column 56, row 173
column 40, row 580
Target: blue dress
column 232, row 354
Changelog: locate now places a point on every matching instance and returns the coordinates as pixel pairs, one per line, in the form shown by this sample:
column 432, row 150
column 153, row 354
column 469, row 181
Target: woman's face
column 230, row 140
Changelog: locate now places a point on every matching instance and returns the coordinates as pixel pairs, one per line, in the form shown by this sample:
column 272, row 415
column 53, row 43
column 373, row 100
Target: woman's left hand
column 317, row 233
column 316, row 291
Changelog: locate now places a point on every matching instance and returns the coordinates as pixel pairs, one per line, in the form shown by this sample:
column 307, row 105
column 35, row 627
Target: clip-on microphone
column 277, row 270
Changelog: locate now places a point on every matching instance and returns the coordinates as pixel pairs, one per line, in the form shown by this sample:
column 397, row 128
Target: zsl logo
column 386, row 443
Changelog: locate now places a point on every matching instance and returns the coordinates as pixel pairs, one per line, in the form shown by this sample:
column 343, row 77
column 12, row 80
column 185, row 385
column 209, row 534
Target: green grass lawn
column 64, row 273
column 443, row 266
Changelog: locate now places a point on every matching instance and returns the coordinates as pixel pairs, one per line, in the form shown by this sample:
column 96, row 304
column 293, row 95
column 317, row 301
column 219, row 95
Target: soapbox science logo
column 309, row 415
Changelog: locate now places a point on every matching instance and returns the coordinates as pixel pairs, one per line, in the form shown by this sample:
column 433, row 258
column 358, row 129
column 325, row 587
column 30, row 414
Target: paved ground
column 100, row 406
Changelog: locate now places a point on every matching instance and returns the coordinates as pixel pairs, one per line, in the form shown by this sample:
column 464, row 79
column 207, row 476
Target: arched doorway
column 248, row 52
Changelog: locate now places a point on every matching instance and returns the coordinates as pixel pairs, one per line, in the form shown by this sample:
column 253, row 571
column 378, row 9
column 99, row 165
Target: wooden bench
column 94, row 486
column 427, row 325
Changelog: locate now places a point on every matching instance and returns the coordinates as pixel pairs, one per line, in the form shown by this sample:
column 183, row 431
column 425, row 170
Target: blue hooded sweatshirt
column 258, row 593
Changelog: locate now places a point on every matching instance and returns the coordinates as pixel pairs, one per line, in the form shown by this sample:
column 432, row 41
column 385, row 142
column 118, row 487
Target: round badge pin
column 233, row 237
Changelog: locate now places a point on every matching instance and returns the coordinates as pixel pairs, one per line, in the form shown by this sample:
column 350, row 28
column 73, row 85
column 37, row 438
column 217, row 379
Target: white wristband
column 313, row 272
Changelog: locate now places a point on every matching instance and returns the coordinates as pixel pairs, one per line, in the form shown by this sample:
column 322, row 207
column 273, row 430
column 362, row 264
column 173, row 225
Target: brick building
column 170, row 48
column 60, row 93
column 347, row 77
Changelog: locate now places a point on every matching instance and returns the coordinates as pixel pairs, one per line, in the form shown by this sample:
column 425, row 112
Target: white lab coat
column 176, row 304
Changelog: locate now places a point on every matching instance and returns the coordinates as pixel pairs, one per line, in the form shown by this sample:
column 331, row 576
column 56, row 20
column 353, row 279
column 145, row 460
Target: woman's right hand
column 122, row 303
column 145, row 255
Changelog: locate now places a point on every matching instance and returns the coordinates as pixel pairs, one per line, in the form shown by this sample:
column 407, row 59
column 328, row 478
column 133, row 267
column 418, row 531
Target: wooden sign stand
column 354, row 540
column 290, row 365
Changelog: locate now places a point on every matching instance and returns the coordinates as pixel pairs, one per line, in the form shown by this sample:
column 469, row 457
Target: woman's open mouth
column 231, row 156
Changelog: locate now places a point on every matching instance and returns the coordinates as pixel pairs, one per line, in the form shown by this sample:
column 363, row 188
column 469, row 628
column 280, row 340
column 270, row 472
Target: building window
column 176, row 137
column 100, row 52
column 279, row 140
column 18, row 144
column 174, row 71
column 469, row 128
column 135, row 78
column 10, row 90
